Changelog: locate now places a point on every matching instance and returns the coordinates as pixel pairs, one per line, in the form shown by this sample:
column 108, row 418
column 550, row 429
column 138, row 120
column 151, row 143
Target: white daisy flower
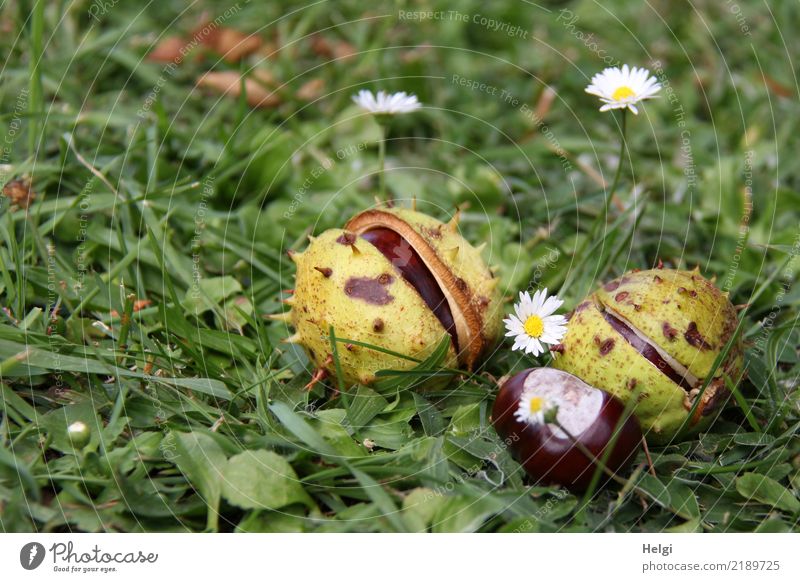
column 534, row 323
column 386, row 103
column 625, row 87
column 532, row 408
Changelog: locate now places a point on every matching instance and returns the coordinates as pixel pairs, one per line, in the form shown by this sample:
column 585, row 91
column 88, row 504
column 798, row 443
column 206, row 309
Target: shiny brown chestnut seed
column 412, row 268
column 668, row 366
column 589, row 415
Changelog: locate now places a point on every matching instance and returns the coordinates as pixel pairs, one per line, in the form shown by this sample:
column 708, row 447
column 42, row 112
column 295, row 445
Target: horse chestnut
column 397, row 279
column 589, row 416
column 655, row 333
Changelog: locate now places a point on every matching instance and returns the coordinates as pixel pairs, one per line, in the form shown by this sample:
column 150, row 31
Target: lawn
column 158, row 164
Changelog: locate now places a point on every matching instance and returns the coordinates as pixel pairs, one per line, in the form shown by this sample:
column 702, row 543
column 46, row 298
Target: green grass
column 148, row 188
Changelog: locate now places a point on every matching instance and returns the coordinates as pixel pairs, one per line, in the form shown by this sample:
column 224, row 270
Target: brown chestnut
column 414, row 270
column 522, row 414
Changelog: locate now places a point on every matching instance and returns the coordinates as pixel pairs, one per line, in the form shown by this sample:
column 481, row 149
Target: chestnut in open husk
column 397, row 279
column 589, row 415
column 656, row 333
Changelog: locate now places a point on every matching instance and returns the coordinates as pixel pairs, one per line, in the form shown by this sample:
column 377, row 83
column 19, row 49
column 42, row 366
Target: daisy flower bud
column 79, row 434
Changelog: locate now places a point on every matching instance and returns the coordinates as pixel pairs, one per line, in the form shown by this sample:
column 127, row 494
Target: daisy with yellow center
column 383, row 106
column 534, row 324
column 623, row 88
column 532, row 408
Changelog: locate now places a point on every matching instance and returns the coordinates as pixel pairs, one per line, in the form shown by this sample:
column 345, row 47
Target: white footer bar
column 389, row 557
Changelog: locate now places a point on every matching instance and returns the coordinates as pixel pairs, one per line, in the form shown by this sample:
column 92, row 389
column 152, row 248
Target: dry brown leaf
column 264, row 76
column 229, row 83
column 343, row 50
column 338, row 49
column 206, row 32
column 311, row 90
column 321, row 46
column 234, row 45
column 776, row 87
column 269, row 49
column 545, row 102
column 416, row 54
column 168, row 50
column 19, row 192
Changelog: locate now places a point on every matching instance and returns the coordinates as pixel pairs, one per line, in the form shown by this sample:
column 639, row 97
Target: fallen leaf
column 321, row 46
column 269, row 49
column 545, row 102
column 168, row 50
column 338, row 49
column 264, row 76
column 232, row 44
column 776, row 87
column 19, row 192
column 311, row 90
column 343, row 50
column 416, row 54
column 229, row 83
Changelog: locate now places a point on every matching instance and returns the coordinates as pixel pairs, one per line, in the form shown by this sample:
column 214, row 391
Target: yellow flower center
column 536, row 404
column 623, row 93
column 534, row 326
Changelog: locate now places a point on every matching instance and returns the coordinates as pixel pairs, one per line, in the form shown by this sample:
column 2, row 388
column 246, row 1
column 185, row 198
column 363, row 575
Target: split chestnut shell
column 655, row 334
column 397, row 279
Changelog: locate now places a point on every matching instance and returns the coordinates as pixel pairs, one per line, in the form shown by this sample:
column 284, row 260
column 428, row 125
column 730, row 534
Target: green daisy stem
column 618, row 173
column 382, row 161
column 610, row 192
column 602, row 217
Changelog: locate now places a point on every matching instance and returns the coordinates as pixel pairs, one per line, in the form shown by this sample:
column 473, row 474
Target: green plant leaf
column 755, row 487
column 210, row 293
column 202, row 461
column 262, row 480
column 365, row 404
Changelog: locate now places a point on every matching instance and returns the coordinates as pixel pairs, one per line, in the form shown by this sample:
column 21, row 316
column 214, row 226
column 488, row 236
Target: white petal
column 554, row 320
column 385, row 103
column 514, row 326
column 520, row 346
column 550, row 306
column 521, row 310
column 538, row 297
column 535, row 347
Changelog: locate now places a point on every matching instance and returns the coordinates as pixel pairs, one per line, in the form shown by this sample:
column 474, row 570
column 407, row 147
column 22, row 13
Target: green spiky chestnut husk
column 656, row 334
column 346, row 280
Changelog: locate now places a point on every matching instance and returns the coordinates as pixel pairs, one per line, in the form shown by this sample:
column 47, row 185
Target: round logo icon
column 31, row 555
